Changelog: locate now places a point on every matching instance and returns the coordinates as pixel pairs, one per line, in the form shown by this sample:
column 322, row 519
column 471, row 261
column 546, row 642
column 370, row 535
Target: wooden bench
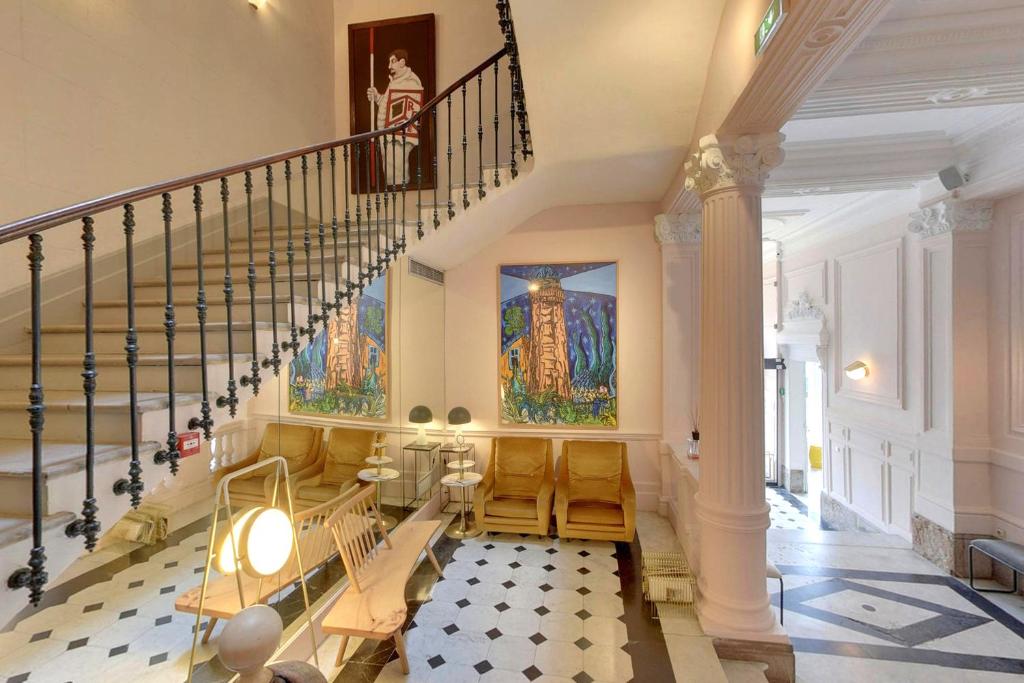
column 1004, row 552
column 316, row 546
column 374, row 605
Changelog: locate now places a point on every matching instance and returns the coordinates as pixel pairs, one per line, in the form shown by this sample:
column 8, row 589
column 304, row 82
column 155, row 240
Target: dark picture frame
column 415, row 36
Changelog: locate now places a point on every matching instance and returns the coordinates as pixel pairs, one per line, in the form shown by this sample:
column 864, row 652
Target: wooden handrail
column 51, row 219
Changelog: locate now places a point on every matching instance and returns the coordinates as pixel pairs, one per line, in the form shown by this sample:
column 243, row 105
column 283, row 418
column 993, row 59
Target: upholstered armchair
column 594, row 496
column 299, row 445
column 517, row 488
column 344, row 454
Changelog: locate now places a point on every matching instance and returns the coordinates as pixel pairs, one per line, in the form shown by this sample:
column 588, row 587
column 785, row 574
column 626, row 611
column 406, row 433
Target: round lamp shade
column 421, row 415
column 264, row 539
column 458, row 416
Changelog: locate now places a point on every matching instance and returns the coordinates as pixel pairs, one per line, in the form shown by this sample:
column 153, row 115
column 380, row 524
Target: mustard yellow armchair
column 517, row 489
column 594, row 496
column 344, row 453
column 297, row 444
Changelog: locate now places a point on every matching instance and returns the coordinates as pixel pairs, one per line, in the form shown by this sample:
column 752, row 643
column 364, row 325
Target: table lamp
column 459, row 416
column 421, row 416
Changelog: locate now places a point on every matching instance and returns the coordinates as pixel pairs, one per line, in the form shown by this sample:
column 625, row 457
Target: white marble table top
column 373, row 474
column 462, row 464
column 466, row 479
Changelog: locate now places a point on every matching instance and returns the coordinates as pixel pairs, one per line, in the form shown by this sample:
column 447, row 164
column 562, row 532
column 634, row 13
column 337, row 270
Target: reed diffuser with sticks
column 693, row 444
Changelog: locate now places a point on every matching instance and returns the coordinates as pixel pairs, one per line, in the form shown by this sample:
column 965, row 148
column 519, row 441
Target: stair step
column 63, row 371
column 14, row 529
column 109, row 338
column 65, row 413
column 63, row 465
column 151, row 311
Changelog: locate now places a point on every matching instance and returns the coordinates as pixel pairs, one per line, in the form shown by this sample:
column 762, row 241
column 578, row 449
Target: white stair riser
column 156, row 342
column 216, row 311
column 215, row 287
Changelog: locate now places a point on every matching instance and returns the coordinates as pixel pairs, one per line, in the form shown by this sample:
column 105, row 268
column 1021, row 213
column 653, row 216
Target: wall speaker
column 951, row 178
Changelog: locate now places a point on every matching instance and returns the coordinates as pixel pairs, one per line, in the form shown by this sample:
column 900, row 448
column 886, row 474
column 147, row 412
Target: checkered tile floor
column 517, row 609
column 119, row 629
column 784, row 514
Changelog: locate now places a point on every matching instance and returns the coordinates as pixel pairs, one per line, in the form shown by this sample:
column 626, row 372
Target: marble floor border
column 840, row 579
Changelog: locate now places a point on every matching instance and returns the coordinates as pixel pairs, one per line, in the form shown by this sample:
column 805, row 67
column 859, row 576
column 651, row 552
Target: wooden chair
column 316, row 546
column 373, row 606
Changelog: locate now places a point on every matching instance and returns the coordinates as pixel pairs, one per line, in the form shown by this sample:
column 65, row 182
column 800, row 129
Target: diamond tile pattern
column 520, row 614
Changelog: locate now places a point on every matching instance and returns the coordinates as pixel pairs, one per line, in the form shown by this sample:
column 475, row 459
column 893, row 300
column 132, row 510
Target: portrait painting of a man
column 391, row 77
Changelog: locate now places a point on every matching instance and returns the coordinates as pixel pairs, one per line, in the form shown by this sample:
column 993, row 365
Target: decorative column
column 729, row 174
column 678, row 234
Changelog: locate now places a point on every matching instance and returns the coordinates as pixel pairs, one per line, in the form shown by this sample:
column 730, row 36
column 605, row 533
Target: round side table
column 379, row 475
column 462, row 481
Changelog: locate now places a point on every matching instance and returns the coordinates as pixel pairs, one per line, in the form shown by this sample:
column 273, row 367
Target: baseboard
column 778, row 657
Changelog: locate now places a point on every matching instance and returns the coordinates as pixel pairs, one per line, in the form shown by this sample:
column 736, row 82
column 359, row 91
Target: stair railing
column 373, row 240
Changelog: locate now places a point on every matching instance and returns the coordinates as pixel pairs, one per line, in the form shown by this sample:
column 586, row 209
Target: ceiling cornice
column 812, row 41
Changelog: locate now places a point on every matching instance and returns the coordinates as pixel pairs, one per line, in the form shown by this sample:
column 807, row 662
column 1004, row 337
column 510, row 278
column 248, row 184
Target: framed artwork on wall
column 391, row 76
column 344, row 372
column 558, row 334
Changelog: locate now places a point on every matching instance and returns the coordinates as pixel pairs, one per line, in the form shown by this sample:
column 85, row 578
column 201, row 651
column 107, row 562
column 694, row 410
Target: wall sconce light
column 264, row 539
column 421, row 416
column 857, row 370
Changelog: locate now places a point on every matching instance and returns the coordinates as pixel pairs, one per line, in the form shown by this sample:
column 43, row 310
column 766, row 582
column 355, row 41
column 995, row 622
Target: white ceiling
column 937, row 82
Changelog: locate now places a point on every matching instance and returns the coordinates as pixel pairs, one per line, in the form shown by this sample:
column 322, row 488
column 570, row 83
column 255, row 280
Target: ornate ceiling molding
column 815, row 38
column 678, row 228
column 951, row 215
column 724, row 162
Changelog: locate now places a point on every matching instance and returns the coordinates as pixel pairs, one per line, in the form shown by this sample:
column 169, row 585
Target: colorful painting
column 559, row 334
column 391, row 77
column 344, row 372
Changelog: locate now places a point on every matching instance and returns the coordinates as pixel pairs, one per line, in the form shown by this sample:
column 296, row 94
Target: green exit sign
column 769, row 25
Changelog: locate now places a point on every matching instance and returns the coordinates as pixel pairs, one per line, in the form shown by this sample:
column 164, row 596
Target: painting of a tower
column 558, row 332
column 344, row 371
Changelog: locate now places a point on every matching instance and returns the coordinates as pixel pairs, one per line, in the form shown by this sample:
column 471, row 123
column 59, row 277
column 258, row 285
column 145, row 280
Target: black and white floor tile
column 861, row 607
column 789, row 512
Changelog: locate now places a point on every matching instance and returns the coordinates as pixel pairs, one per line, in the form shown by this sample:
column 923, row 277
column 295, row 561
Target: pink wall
column 622, row 232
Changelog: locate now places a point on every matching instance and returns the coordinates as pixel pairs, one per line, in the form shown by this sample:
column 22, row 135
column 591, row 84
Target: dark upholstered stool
column 1004, row 552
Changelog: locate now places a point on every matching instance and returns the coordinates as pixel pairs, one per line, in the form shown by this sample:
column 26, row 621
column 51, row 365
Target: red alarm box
column 188, row 444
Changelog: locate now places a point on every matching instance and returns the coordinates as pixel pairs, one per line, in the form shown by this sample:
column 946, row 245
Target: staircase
column 276, row 248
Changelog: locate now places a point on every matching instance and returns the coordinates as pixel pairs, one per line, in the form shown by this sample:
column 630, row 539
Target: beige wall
column 1006, row 368
column 105, row 95
column 467, row 33
column 622, row 232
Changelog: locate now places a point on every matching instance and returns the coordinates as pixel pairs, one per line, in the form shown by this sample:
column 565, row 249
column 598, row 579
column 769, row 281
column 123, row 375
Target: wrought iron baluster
column 293, row 344
column 253, row 379
column 394, row 193
column 370, row 235
column 381, row 259
column 497, row 178
column 275, row 350
column 133, row 485
column 387, row 248
column 321, row 237
column 465, row 148
column 334, row 231
column 419, row 183
column 359, row 217
column 405, row 185
column 513, row 168
column 34, row 577
column 480, row 134
column 206, row 421
column 437, row 180
column 231, row 400
column 170, row 454
column 348, row 231
column 451, row 204
column 307, row 244
column 88, row 525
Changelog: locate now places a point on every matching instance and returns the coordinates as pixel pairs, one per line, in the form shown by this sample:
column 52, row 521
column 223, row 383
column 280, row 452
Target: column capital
column 678, row 228
column 951, row 215
column 724, row 162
